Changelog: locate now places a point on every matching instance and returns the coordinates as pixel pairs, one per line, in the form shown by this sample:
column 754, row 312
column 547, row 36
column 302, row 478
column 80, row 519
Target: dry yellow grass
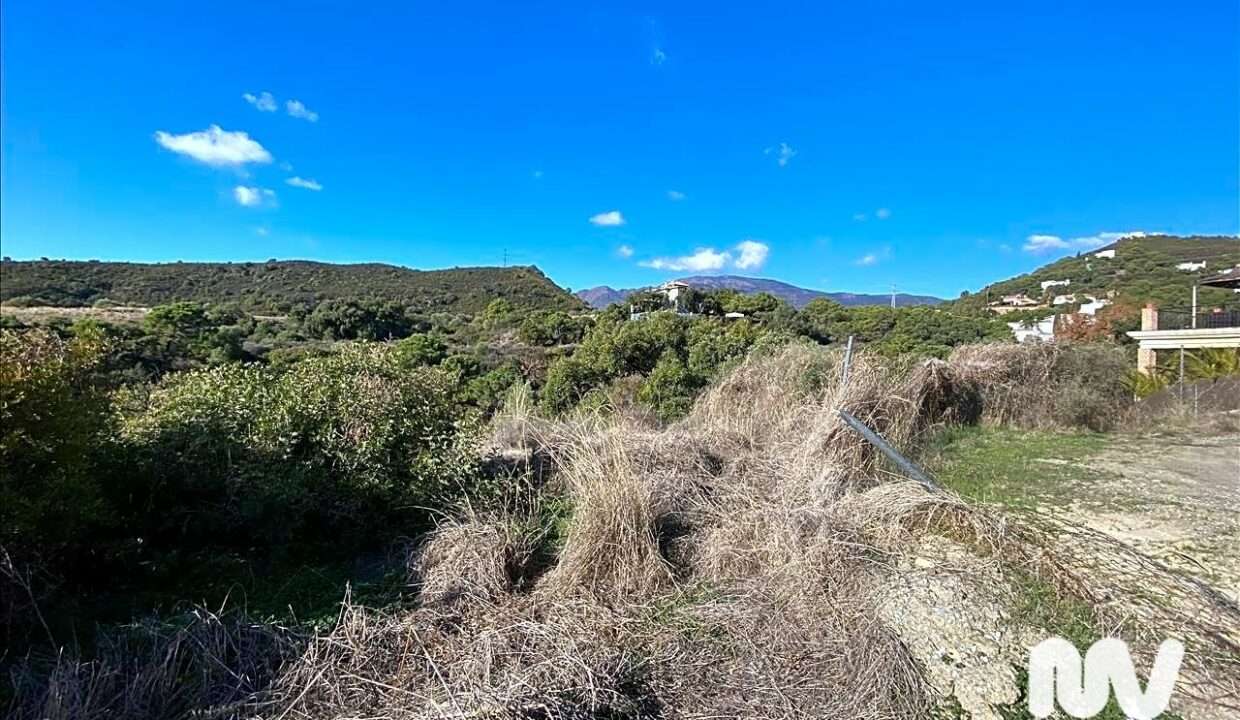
column 730, row 565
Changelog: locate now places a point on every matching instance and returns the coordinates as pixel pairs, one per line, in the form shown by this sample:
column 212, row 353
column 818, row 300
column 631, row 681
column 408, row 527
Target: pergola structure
column 1216, row 328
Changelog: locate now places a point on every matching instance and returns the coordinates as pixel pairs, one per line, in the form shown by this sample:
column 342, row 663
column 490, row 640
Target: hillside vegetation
column 276, row 286
column 755, row 559
column 1143, row 270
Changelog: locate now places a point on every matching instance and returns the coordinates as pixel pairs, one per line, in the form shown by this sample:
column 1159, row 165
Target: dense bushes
column 677, row 355
column 550, row 327
column 329, row 453
column 54, row 421
column 337, row 441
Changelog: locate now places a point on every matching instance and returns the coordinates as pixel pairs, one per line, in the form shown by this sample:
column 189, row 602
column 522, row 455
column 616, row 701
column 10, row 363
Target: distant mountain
column 798, row 297
column 276, row 285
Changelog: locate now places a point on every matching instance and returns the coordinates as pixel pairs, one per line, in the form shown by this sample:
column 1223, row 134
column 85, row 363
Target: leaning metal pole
column 892, row 454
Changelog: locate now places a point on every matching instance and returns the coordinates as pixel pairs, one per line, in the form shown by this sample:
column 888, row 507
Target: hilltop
column 276, row 285
column 1143, row 269
column 798, row 297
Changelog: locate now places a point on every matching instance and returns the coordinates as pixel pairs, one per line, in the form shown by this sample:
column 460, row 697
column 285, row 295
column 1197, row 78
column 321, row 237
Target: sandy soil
column 1174, row 498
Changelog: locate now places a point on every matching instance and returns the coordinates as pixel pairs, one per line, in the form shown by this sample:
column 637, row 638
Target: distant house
column 1064, row 299
column 1093, row 306
column 734, row 316
column 1053, row 283
column 1008, row 303
column 672, row 290
column 1191, row 266
column 1042, row 330
column 1105, row 253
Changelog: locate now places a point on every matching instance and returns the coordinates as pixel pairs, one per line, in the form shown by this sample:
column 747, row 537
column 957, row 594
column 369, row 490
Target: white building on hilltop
column 1042, row 330
column 672, row 290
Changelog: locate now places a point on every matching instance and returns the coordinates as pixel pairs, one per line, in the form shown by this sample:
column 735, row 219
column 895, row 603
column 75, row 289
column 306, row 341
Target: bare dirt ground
column 1175, row 498
column 41, row 315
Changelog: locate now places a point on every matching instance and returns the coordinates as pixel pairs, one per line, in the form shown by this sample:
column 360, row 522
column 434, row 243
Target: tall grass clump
column 1048, row 385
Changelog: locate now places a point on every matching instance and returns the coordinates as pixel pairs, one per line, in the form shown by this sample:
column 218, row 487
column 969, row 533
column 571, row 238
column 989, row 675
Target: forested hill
column 276, row 285
column 1143, row 270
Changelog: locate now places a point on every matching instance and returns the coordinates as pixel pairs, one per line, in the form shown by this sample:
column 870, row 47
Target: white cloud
column 261, row 231
column 537, row 174
column 874, row 258
column 298, row 110
column 216, row 147
column 784, row 153
column 861, row 217
column 675, row 195
column 608, row 219
column 248, row 196
column 265, row 102
column 747, row 255
column 702, row 260
column 304, row 183
column 657, row 56
column 1047, row 243
column 882, row 213
column 751, row 255
column 625, row 251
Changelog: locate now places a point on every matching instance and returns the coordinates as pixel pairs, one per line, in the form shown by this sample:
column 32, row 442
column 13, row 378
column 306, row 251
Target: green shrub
column 55, row 420
column 421, row 349
column 343, row 441
column 549, row 328
column 670, row 388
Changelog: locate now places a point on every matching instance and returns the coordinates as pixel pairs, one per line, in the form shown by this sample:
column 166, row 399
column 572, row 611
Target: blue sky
column 842, row 146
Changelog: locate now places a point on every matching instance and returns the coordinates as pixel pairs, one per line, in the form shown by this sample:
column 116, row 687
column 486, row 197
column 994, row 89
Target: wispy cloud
column 248, row 196
column 625, row 251
column 537, row 174
column 657, row 56
column 874, row 258
column 265, row 102
column 675, row 195
column 751, row 254
column 783, row 153
column 747, row 255
column 608, row 219
column 702, row 260
column 215, row 147
column 304, row 183
column 879, row 214
column 1039, row 244
column 298, row 110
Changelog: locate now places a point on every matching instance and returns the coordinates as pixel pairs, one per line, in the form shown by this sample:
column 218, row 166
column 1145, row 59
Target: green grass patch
column 1016, row 469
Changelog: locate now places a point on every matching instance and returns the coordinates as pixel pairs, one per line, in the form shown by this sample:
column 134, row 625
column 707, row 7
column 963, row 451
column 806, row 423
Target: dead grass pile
column 1047, row 385
column 201, row 663
column 471, row 558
